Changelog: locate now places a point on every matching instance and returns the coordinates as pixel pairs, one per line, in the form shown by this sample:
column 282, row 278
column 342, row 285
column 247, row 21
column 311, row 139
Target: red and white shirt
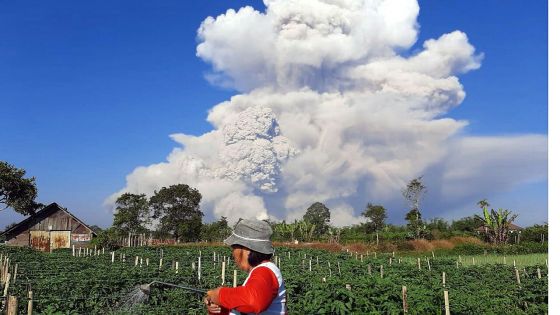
column 263, row 292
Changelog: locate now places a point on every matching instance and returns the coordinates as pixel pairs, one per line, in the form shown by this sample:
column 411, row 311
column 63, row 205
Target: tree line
column 174, row 212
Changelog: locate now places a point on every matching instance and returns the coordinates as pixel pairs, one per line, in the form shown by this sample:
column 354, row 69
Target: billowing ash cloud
column 335, row 109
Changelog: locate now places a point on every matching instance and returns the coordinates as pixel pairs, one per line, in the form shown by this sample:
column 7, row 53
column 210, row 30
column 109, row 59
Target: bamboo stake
column 404, row 304
column 446, row 298
column 223, row 272
column 419, row 264
column 7, row 285
column 199, row 270
column 15, row 273
column 12, row 305
column 30, row 303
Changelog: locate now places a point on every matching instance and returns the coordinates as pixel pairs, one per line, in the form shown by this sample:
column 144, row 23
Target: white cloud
column 332, row 111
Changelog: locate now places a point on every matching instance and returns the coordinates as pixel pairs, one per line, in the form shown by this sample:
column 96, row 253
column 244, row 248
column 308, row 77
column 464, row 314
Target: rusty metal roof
column 45, row 210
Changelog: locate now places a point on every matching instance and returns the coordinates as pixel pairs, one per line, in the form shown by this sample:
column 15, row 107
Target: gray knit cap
column 253, row 234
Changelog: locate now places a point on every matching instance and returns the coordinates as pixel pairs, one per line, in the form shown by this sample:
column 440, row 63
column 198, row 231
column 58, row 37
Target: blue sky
column 91, row 90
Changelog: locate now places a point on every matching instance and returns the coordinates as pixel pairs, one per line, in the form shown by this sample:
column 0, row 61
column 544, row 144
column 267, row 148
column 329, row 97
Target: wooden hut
column 50, row 228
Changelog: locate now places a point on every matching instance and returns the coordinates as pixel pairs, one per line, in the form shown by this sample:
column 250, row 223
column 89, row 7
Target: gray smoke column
column 334, row 108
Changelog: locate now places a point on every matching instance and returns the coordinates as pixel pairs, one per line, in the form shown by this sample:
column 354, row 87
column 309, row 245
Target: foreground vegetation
column 318, row 281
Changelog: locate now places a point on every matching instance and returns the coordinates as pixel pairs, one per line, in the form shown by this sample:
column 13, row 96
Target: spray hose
column 146, row 287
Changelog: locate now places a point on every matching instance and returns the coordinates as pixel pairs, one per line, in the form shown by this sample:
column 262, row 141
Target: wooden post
column 517, row 276
column 429, row 266
column 339, row 268
column 443, row 278
column 374, row 254
column 289, row 255
column 376, row 238
column 330, row 271
column 514, row 264
column 223, row 272
column 30, row 303
column 235, row 278
column 160, row 262
column 112, row 257
column 12, row 305
column 74, row 250
column 473, row 261
column 404, row 304
column 381, row 271
column 136, row 261
column 539, row 273
column 309, row 264
column 446, row 298
column 390, row 261
column 369, row 269
column 177, row 267
column 457, row 262
column 394, row 257
column 504, row 260
column 147, row 262
column 433, row 255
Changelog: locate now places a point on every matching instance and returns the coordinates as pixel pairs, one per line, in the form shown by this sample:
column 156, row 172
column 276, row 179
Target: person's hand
column 214, row 295
column 211, row 307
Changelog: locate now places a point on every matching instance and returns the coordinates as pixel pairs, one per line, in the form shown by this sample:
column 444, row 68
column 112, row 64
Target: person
column 263, row 292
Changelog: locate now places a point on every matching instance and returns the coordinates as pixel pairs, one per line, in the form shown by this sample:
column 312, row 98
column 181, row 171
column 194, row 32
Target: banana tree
column 496, row 224
column 306, row 229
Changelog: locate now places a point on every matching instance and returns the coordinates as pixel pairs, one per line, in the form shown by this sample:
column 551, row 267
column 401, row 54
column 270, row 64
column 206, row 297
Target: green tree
column 216, row 231
column 467, row 224
column 376, row 214
column 415, row 224
column 131, row 214
column 414, row 193
column 17, row 192
column 320, row 216
column 178, row 209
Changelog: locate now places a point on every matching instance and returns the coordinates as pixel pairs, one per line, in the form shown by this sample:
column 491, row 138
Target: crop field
column 317, row 281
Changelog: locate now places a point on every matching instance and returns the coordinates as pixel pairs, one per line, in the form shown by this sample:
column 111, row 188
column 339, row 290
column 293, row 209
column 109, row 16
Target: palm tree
column 496, row 223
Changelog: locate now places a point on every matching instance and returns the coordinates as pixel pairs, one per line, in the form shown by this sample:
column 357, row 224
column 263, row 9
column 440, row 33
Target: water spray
column 141, row 293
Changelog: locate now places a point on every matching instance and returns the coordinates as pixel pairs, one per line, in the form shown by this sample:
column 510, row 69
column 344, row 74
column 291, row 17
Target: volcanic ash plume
column 337, row 106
